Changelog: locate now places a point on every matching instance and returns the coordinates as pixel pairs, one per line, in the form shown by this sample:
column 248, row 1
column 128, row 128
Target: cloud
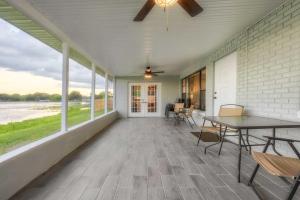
column 21, row 52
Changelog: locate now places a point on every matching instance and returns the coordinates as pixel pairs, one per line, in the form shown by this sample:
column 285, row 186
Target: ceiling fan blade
column 190, row 6
column 159, row 72
column 154, row 74
column 144, row 11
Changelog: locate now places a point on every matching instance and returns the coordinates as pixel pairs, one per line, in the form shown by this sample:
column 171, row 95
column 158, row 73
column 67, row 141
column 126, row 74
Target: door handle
column 215, row 97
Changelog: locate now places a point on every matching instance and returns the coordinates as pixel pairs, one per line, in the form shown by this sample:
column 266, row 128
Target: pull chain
column 167, row 16
column 167, row 20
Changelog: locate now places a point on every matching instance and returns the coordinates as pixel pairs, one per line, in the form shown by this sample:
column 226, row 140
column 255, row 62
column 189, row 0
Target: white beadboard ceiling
column 106, row 31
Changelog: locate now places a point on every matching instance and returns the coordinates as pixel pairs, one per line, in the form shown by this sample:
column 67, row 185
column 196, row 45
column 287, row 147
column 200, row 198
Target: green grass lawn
column 16, row 134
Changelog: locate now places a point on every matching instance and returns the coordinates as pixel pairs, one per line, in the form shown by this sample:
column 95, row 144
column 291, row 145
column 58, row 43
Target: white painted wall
column 20, row 167
column 169, row 91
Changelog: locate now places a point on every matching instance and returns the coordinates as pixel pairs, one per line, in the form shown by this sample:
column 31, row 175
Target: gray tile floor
column 150, row 158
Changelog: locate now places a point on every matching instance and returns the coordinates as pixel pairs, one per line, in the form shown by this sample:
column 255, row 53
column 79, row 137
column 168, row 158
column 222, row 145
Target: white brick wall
column 268, row 66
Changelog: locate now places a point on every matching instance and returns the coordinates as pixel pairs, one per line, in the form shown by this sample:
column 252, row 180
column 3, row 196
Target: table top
column 252, row 122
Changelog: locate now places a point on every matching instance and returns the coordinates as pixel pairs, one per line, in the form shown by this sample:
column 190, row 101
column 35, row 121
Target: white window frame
column 65, row 88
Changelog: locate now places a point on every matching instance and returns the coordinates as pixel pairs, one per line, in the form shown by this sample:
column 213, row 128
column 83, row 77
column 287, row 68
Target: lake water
column 19, row 111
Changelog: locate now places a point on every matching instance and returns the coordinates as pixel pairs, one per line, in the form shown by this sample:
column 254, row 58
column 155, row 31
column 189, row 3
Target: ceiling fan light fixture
column 148, row 75
column 165, row 3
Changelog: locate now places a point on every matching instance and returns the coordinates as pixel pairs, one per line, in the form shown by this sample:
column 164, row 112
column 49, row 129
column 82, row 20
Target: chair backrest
column 191, row 109
column 231, row 110
column 178, row 107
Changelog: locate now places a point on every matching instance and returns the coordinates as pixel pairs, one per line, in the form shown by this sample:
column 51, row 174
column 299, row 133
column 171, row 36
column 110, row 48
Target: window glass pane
column 194, row 89
column 136, row 98
column 203, row 90
column 152, row 98
column 203, row 79
column 30, row 88
column 99, row 95
column 183, row 88
column 79, row 105
column 110, row 95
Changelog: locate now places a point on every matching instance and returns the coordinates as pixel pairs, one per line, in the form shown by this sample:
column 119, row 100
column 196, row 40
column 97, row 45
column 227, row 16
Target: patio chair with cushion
column 230, row 110
column 227, row 110
column 279, row 165
column 178, row 110
column 169, row 109
column 188, row 114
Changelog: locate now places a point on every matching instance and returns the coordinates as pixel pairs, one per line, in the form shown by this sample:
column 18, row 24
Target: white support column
column 106, row 91
column 93, row 92
column 65, row 88
column 114, row 104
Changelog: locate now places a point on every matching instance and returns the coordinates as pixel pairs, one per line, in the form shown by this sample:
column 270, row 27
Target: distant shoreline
column 18, row 111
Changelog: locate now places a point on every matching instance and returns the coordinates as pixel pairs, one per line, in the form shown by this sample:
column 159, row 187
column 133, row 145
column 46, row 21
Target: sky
column 28, row 66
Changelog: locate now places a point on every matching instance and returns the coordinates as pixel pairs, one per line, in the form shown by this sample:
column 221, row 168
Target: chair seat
column 216, row 129
column 228, row 129
column 278, row 165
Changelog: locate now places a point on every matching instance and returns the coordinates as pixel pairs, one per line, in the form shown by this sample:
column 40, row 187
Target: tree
column 75, row 96
column 4, row 97
column 55, row 97
column 15, row 97
column 101, row 95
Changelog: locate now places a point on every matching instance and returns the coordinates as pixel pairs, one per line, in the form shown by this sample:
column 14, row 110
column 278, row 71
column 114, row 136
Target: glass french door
column 144, row 99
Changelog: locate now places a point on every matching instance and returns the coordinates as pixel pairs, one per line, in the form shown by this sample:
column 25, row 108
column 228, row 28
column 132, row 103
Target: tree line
column 38, row 96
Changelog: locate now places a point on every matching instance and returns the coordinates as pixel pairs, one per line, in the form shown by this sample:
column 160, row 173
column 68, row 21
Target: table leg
column 247, row 139
column 222, row 140
column 244, row 144
column 201, row 132
column 240, row 156
column 273, row 142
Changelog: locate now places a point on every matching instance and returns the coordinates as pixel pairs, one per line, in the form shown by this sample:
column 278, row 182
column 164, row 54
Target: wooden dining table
column 247, row 123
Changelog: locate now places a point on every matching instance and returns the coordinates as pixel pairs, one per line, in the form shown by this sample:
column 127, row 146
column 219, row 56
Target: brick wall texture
column 269, row 66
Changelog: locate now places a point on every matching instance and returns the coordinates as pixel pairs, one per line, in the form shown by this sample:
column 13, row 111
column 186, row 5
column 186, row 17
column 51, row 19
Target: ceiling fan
column 149, row 73
column 190, row 6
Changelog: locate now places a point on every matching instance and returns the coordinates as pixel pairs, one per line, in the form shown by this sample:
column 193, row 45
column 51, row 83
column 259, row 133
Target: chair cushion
column 211, row 129
column 278, row 165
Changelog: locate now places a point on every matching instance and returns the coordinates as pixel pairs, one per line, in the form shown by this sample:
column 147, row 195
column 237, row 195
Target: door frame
column 144, row 87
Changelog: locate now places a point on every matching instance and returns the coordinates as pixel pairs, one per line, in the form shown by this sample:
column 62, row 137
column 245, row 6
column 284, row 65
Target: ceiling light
column 165, row 3
column 148, row 75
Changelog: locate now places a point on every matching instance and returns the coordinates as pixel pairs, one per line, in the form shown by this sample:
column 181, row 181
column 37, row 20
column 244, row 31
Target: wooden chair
column 189, row 115
column 278, row 165
column 178, row 109
column 227, row 110
column 230, row 110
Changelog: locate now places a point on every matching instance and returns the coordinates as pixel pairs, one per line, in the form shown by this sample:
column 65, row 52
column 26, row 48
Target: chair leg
column 253, row 174
column 199, row 138
column 294, row 189
column 189, row 122
column 186, row 121
column 193, row 120
column 176, row 117
column 257, row 166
